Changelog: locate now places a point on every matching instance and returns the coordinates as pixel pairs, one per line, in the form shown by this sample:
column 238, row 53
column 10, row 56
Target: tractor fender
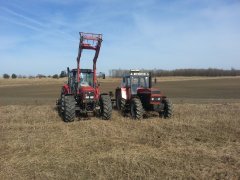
column 66, row 89
column 124, row 93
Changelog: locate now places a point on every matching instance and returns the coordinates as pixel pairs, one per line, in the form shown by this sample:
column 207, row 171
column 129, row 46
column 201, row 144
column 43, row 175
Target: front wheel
column 106, row 107
column 136, row 109
column 69, row 108
column 168, row 109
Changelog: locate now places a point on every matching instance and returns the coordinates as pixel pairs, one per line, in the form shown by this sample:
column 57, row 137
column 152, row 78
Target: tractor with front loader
column 137, row 97
column 81, row 96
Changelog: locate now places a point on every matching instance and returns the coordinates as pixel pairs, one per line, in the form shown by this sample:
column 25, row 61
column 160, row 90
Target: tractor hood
column 87, row 92
column 149, row 91
column 86, row 89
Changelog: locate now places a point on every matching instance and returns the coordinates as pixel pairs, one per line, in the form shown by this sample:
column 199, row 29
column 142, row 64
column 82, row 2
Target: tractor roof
column 134, row 73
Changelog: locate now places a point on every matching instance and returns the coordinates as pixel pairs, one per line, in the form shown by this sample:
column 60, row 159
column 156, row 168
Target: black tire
column 61, row 104
column 168, row 109
column 69, row 108
column 123, row 105
column 118, row 102
column 136, row 109
column 106, row 107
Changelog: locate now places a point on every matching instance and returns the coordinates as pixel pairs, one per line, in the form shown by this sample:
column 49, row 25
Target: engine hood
column 148, row 91
column 86, row 89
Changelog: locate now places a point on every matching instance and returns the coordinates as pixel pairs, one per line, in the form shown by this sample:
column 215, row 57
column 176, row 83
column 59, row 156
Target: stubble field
column 201, row 141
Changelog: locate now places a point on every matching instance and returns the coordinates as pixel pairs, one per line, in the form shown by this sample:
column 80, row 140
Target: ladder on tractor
column 89, row 41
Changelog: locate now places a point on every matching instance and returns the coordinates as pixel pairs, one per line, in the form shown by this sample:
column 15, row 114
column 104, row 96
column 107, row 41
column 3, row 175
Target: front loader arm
column 89, row 41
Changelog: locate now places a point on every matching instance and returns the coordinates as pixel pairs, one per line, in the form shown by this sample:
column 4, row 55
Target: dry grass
column 200, row 142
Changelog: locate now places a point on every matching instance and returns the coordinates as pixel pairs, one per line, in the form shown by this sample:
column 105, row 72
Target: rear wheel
column 136, row 109
column 118, row 102
column 106, row 107
column 168, row 109
column 69, row 108
column 123, row 105
column 61, row 104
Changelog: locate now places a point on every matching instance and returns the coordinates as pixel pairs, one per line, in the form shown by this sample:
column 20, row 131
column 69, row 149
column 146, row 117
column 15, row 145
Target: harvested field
column 201, row 141
column 190, row 90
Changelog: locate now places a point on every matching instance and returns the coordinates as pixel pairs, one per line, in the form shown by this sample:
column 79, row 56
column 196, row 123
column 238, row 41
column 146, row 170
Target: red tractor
column 137, row 96
column 81, row 94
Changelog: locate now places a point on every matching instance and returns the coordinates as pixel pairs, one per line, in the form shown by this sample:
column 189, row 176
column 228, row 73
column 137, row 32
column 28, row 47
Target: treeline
column 39, row 76
column 181, row 72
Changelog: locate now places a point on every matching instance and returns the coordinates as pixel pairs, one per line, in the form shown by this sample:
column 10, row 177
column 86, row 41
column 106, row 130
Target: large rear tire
column 136, row 109
column 61, row 104
column 123, row 105
column 69, row 109
column 106, row 107
column 118, row 102
column 168, row 109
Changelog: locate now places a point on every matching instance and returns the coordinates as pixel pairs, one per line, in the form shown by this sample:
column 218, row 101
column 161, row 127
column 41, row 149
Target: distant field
column 192, row 90
column 201, row 141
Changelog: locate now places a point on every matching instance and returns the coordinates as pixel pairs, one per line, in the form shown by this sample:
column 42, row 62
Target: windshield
column 86, row 79
column 139, row 82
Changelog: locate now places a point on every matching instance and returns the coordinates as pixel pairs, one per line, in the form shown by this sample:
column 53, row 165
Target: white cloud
column 137, row 34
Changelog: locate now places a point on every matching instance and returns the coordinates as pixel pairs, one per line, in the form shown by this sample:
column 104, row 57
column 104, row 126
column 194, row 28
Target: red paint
column 90, row 41
column 66, row 89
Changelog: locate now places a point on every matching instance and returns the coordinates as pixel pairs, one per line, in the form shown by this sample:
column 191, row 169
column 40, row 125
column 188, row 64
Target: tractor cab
column 86, row 78
column 136, row 80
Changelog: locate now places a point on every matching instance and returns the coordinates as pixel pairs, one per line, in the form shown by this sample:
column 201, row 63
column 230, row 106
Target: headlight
column 89, row 95
column 155, row 99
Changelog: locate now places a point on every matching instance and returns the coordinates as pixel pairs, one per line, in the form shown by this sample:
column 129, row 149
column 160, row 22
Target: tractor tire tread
column 168, row 110
column 123, row 104
column 139, row 108
column 69, row 108
column 106, row 107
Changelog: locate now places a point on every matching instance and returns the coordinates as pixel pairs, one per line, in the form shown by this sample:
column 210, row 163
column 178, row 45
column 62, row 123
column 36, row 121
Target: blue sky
column 42, row 36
